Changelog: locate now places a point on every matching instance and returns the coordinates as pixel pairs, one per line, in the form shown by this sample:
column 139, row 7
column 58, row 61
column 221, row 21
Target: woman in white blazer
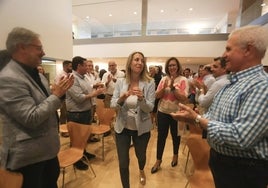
column 133, row 98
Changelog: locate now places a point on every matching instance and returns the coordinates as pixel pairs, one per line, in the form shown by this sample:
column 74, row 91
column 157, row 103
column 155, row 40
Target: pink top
column 169, row 103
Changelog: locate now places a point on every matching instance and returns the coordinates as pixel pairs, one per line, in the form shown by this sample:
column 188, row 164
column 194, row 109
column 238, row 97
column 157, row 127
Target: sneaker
column 89, row 155
column 80, row 165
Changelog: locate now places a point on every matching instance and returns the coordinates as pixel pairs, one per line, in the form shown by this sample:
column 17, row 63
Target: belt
column 238, row 160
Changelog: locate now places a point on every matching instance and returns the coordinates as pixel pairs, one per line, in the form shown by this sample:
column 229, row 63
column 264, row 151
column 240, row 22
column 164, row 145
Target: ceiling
column 91, row 16
column 101, row 15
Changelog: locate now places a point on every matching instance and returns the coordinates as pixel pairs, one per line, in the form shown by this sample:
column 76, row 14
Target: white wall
column 160, row 49
column 49, row 18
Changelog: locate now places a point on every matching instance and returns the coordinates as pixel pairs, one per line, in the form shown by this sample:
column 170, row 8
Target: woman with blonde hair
column 133, row 98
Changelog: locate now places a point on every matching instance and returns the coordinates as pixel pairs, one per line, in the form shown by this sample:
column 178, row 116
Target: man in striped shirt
column 237, row 120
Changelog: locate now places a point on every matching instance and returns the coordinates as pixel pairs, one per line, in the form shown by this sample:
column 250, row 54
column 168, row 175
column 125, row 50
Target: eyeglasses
column 38, row 47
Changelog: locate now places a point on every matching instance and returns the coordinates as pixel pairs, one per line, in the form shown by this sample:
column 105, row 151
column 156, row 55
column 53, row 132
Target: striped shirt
column 238, row 116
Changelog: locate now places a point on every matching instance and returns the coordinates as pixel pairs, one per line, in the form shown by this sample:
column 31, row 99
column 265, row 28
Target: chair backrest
column 105, row 115
column 78, row 133
column 10, row 179
column 199, row 150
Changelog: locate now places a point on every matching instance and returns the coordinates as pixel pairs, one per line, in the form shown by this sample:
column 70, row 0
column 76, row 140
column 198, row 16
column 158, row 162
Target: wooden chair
column 105, row 120
column 193, row 131
column 10, row 179
column 199, row 150
column 79, row 134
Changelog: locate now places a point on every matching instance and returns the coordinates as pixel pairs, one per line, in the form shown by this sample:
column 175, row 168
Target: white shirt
column 111, row 85
column 92, row 79
column 59, row 76
column 205, row 100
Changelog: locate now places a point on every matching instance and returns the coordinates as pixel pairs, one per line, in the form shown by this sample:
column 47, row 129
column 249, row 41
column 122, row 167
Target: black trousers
column 80, row 117
column 234, row 172
column 123, row 141
column 43, row 174
column 165, row 121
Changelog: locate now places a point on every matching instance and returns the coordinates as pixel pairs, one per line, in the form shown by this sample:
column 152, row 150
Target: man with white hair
column 110, row 78
column 236, row 122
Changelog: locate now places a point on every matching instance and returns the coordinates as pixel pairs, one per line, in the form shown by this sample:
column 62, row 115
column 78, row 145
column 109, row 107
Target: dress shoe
column 174, row 161
column 94, row 139
column 142, row 177
column 65, row 135
column 156, row 167
column 89, row 155
column 80, row 165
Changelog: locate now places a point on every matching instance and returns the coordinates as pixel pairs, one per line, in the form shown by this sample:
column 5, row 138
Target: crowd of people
column 229, row 97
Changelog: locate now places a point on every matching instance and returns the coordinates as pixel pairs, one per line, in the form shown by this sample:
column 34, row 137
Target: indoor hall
column 59, row 45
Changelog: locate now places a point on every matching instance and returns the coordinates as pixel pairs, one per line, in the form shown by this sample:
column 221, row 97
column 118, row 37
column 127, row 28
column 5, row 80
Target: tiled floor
column 107, row 172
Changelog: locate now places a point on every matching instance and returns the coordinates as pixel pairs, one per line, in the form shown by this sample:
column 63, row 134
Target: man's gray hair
column 257, row 36
column 19, row 35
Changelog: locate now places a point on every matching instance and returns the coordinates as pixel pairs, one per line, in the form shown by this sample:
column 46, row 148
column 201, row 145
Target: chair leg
column 63, row 176
column 187, row 184
column 90, row 166
column 102, row 139
column 184, row 147
column 187, row 160
column 92, row 169
column 74, row 171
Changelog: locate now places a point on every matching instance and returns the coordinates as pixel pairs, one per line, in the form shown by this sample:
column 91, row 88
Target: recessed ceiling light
column 110, row 15
column 190, row 9
column 161, row 10
column 135, row 12
column 87, row 17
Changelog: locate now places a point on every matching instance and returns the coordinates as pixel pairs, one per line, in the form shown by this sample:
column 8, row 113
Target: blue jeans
column 123, row 141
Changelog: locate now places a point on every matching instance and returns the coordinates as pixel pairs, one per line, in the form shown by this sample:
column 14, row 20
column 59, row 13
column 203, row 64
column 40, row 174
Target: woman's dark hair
column 179, row 71
column 102, row 71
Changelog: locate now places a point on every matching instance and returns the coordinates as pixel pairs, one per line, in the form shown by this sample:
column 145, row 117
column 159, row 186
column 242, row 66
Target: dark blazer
column 30, row 125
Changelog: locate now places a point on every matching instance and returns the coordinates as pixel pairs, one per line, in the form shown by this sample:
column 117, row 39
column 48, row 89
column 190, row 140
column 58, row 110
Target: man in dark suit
column 28, row 112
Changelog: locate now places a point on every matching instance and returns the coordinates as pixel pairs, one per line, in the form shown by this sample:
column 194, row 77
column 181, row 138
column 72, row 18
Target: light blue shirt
column 76, row 100
column 238, row 116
